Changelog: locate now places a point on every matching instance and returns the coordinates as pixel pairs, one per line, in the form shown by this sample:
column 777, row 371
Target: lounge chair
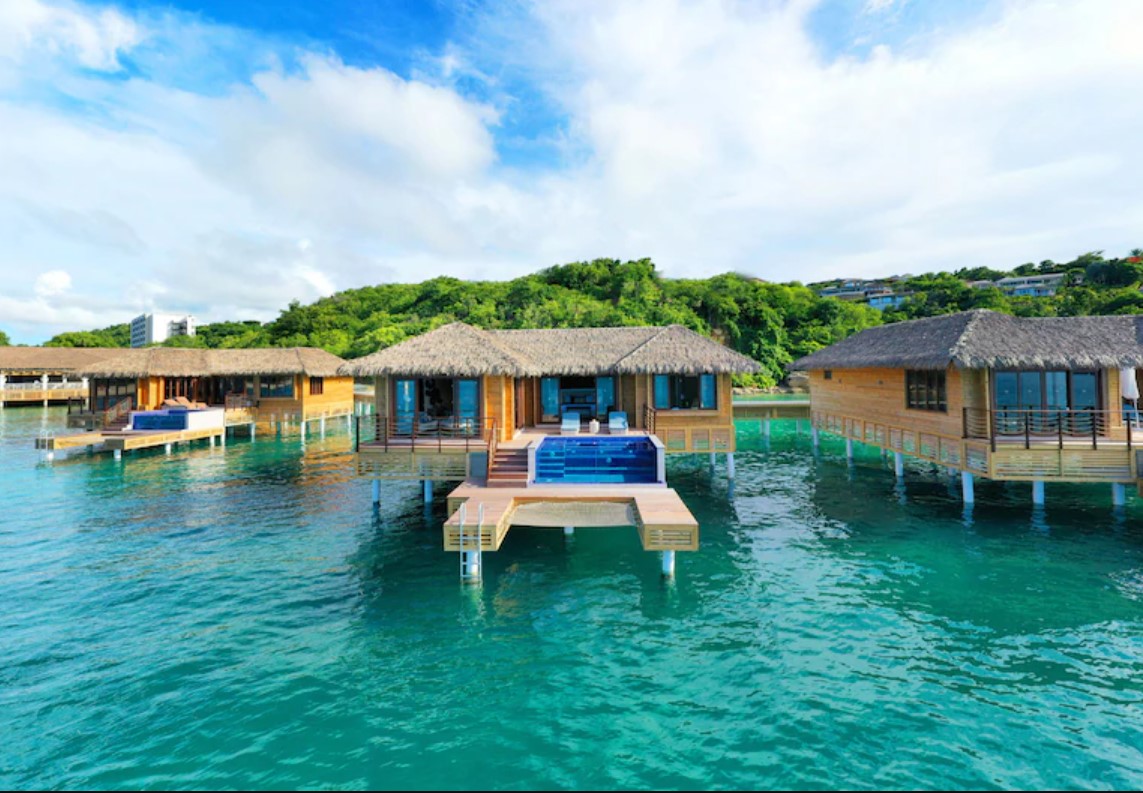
column 460, row 425
column 617, row 422
column 570, row 424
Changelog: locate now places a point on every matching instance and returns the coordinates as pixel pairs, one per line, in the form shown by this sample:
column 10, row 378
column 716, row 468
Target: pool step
column 509, row 468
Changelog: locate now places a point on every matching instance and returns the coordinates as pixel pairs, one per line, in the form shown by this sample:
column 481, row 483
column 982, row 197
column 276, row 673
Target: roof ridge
column 521, row 358
column 645, row 342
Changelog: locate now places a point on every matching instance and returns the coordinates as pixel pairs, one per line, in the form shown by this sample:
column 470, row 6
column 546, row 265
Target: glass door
column 1084, row 397
column 468, row 406
column 550, row 399
column 405, row 406
column 604, row 396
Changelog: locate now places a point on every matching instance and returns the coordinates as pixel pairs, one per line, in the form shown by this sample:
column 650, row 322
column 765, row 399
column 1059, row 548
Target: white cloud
column 708, row 135
column 94, row 38
column 52, row 283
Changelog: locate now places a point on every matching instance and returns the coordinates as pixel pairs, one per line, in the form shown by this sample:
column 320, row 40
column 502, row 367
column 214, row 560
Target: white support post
column 766, row 429
column 222, row 438
column 167, row 448
column 427, row 489
column 44, row 385
column 730, row 466
column 321, row 426
column 1118, row 494
column 569, row 531
column 967, row 487
column 212, row 441
column 3, row 382
column 899, row 465
column 712, row 461
column 376, row 492
column 253, row 430
column 1038, row 492
column 669, row 563
column 117, row 454
column 813, row 435
column 471, row 560
column 849, row 449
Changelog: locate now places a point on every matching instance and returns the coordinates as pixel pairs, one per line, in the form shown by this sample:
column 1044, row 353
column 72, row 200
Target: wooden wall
column 500, row 403
column 879, row 395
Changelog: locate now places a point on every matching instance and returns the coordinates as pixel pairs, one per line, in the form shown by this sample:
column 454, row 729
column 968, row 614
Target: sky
column 224, row 157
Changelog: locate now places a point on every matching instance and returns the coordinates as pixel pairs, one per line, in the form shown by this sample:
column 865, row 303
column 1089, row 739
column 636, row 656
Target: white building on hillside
column 157, row 328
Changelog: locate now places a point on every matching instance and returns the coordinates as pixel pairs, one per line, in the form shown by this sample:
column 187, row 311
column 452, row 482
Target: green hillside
column 774, row 323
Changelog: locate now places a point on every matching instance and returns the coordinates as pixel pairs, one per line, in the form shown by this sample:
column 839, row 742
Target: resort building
column 157, row 328
column 251, row 386
column 43, row 375
column 1033, row 399
column 534, row 418
column 1032, row 285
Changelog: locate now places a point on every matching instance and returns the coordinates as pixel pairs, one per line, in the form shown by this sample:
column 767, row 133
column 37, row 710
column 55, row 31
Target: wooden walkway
column 772, row 409
column 662, row 519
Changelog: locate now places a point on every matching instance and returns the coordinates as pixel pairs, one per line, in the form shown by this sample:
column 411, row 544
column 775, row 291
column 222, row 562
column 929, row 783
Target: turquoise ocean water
column 245, row 619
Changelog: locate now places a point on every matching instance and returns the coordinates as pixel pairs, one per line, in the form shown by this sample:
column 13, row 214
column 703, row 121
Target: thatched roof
column 981, row 339
column 179, row 362
column 51, row 360
column 460, row 350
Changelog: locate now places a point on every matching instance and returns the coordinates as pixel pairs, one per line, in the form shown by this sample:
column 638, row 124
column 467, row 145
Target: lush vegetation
column 4, row 340
column 1092, row 285
column 773, row 323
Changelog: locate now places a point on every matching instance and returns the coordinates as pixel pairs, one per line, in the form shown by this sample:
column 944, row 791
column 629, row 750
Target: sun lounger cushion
column 617, row 422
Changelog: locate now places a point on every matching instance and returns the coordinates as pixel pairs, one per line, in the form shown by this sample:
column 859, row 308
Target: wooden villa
column 45, row 375
column 462, row 403
column 243, row 387
column 1030, row 399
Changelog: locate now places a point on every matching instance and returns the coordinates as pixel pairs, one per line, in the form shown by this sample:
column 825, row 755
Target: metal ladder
column 465, row 576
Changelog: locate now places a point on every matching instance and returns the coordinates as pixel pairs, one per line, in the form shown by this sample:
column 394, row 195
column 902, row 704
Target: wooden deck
column 662, row 519
column 1045, row 458
column 126, row 440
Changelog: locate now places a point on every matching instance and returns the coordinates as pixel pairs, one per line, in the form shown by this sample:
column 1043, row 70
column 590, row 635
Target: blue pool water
column 576, row 460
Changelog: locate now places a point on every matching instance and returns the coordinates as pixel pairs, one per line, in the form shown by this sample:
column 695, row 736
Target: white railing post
column 532, row 447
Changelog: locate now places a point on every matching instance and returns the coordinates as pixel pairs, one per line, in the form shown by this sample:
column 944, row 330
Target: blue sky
column 225, row 158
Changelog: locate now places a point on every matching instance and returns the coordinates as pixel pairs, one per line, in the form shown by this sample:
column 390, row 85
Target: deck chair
column 570, row 424
column 617, row 422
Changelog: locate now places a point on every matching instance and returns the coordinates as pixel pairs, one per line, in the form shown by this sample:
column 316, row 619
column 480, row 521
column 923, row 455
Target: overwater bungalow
column 45, row 375
column 250, row 385
column 1030, row 399
column 143, row 398
column 530, row 418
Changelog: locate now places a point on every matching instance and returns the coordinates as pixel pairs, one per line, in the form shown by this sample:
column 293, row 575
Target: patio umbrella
column 1129, row 389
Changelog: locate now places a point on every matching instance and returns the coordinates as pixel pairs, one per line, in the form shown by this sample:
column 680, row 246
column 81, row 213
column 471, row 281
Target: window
column 317, row 386
column 277, row 387
column 685, row 392
column 926, row 391
column 827, row 374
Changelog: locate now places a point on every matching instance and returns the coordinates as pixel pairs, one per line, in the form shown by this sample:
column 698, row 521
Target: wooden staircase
column 509, row 468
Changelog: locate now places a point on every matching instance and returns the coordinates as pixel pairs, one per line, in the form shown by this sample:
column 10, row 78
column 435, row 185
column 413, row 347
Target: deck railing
column 649, row 419
column 52, row 385
column 408, row 433
column 1042, row 426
